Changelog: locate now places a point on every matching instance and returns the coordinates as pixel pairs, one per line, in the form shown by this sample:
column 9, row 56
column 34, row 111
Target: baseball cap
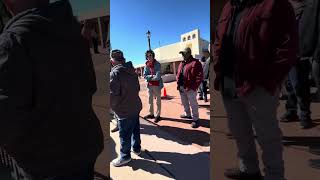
column 117, row 55
column 186, row 50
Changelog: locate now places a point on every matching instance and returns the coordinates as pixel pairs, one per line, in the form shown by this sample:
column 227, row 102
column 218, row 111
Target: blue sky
column 166, row 19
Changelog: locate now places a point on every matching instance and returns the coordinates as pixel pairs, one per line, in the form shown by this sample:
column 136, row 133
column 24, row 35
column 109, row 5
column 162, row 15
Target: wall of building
column 191, row 39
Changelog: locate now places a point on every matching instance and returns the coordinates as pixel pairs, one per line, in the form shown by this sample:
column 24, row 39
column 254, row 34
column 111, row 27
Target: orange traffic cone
column 164, row 92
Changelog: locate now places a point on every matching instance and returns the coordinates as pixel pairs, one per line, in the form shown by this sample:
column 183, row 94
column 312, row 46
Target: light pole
column 149, row 35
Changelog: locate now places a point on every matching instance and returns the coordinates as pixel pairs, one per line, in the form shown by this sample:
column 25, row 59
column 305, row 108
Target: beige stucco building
column 169, row 56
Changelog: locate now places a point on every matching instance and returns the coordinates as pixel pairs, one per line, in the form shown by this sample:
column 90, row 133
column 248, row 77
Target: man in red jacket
column 189, row 78
column 255, row 47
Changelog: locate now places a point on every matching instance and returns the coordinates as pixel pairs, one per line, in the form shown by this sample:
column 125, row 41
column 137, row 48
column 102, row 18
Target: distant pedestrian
column 126, row 104
column 298, row 85
column 310, row 39
column 256, row 45
column 47, row 81
column 189, row 78
column 152, row 73
column 205, row 61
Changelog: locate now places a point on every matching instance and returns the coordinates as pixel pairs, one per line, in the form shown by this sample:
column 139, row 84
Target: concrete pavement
column 164, row 157
column 296, row 144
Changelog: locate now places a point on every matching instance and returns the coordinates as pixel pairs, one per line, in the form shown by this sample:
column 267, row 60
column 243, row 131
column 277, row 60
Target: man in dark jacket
column 252, row 57
column 47, row 81
column 309, row 31
column 298, row 86
column 126, row 104
column 189, row 78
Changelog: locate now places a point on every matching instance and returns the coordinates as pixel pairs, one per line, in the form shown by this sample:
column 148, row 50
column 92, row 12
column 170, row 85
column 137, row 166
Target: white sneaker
column 120, row 162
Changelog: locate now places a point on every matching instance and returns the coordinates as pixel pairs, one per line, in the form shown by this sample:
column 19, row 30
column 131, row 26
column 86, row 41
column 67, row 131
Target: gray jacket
column 124, row 91
column 47, row 81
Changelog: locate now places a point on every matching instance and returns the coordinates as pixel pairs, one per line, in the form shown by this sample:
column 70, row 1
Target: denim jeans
column 86, row 172
column 298, row 88
column 129, row 131
column 203, row 89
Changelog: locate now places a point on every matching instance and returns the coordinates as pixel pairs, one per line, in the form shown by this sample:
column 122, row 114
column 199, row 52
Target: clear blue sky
column 166, row 19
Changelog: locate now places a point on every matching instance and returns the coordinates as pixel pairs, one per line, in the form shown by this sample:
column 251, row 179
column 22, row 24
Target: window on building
column 189, row 37
column 184, row 39
column 193, row 36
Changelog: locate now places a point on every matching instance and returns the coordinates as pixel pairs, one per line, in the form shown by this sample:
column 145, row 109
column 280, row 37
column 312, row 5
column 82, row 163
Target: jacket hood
column 126, row 67
column 56, row 20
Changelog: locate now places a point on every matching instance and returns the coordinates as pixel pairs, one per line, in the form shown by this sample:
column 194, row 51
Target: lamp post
column 149, row 35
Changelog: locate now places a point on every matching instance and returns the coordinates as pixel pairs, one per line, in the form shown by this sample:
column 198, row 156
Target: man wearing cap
column 189, row 78
column 126, row 104
column 205, row 61
column 152, row 73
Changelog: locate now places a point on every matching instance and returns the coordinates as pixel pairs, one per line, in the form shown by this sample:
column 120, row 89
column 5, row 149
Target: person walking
column 47, row 81
column 205, row 61
column 189, row 78
column 152, row 73
column 126, row 104
column 298, row 85
column 252, row 57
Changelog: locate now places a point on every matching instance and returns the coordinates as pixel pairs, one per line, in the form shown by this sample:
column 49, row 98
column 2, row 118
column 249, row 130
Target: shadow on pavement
column 203, row 122
column 314, row 163
column 182, row 136
column 98, row 176
column 301, row 141
column 177, row 165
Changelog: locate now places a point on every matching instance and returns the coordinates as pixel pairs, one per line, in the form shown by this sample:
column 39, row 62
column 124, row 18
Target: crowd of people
column 126, row 103
column 258, row 45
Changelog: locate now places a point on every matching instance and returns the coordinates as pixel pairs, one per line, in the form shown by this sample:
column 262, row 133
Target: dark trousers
column 316, row 74
column 95, row 45
column 203, row 89
column 298, row 88
column 129, row 131
column 86, row 172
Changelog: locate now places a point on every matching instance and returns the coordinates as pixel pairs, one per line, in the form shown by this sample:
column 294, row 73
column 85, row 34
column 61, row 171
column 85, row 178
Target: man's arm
column 16, row 94
column 198, row 72
column 283, row 42
column 157, row 69
column 115, row 90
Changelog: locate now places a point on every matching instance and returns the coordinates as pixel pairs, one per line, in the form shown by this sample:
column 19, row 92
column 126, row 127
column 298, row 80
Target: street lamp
column 149, row 35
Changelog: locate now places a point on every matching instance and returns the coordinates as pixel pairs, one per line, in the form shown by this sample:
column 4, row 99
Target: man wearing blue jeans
column 126, row 104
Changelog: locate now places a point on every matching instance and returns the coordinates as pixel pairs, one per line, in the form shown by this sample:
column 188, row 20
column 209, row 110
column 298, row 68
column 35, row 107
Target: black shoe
column 195, row 124
column 185, row 117
column 149, row 116
column 200, row 98
column 289, row 118
column 115, row 129
column 306, row 124
column 157, row 119
column 237, row 174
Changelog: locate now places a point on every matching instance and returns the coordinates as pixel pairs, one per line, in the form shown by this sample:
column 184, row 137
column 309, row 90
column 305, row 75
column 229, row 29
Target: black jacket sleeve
column 15, row 90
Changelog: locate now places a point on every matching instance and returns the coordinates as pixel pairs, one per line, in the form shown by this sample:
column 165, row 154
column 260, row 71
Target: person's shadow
column 174, row 165
column 182, row 136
